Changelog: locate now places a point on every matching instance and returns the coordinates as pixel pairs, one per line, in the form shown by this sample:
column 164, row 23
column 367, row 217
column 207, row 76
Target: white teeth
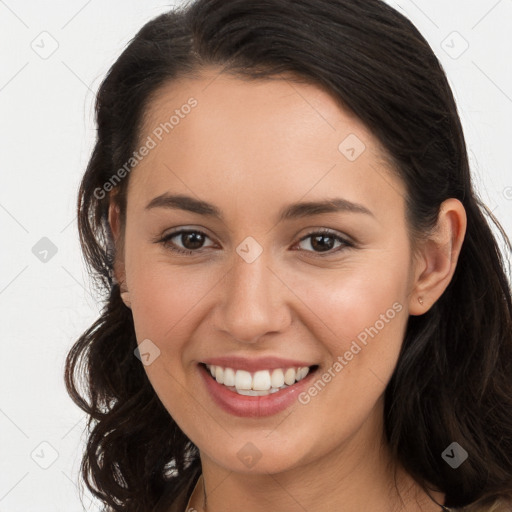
column 278, row 378
column 262, row 382
column 301, row 373
column 289, row 376
column 243, row 380
column 252, row 392
column 219, row 374
column 229, row 377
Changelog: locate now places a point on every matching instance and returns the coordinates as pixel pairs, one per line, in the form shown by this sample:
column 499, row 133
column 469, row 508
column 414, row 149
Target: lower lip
column 253, row 406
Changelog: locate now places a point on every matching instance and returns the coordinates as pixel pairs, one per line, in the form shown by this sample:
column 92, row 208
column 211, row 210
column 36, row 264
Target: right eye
column 192, row 241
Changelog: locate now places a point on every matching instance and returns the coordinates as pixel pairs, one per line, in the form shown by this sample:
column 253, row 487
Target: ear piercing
column 420, row 300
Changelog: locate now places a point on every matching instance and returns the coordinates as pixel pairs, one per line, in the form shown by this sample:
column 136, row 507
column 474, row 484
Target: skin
column 251, row 148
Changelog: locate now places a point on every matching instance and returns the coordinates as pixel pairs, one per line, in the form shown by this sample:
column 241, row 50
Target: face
column 245, row 276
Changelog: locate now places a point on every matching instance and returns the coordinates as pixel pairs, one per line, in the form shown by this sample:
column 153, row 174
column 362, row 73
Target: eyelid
column 330, row 232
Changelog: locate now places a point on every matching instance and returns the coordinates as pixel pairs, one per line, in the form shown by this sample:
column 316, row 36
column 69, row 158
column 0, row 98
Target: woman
column 307, row 308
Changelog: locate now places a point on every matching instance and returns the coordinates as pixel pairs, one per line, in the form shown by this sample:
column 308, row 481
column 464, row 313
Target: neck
column 360, row 475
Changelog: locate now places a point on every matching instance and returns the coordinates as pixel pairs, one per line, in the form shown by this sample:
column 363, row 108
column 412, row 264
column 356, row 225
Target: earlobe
column 125, row 297
column 438, row 257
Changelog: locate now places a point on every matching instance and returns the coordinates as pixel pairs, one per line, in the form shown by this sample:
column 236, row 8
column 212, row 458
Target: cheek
column 351, row 301
column 359, row 316
column 166, row 308
column 164, row 296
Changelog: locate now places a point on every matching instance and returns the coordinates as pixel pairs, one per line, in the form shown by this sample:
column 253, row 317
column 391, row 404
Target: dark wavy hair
column 453, row 379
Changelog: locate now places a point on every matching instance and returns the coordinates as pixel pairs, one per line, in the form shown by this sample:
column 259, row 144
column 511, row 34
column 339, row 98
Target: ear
column 437, row 257
column 114, row 220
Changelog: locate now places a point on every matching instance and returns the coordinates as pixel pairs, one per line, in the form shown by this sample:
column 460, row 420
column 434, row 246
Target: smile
column 255, row 388
column 259, row 383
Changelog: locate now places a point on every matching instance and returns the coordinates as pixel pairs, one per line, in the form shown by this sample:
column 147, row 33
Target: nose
column 253, row 301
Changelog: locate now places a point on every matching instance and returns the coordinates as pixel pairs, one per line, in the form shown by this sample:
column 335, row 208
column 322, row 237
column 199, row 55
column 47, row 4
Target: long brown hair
column 453, row 380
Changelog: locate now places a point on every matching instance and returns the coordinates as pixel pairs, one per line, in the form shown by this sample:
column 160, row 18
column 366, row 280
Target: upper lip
column 255, row 364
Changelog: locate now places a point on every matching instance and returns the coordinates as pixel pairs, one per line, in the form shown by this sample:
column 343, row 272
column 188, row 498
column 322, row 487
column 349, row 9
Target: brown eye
column 191, row 241
column 324, row 242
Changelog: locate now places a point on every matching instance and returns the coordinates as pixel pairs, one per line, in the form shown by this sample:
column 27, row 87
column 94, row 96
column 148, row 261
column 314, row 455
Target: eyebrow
column 292, row 211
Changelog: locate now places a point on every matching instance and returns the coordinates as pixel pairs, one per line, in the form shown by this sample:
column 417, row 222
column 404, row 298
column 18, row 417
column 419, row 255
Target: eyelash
column 346, row 244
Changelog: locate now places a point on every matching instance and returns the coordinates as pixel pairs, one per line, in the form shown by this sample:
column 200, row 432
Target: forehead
column 266, row 135
column 282, row 103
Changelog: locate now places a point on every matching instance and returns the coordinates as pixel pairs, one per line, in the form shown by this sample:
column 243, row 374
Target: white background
column 47, row 133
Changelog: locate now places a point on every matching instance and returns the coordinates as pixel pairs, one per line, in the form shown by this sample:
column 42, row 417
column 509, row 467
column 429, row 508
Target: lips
column 255, row 388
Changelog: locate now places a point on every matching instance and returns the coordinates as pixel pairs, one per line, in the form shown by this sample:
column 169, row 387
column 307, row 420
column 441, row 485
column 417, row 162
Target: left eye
column 324, row 242
column 193, row 241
